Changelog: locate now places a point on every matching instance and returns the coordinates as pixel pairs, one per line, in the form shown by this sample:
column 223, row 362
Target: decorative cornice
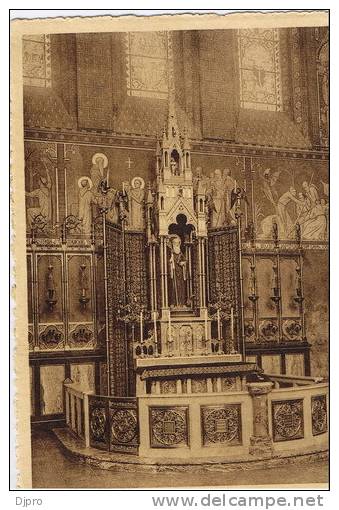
column 95, row 137
column 222, row 370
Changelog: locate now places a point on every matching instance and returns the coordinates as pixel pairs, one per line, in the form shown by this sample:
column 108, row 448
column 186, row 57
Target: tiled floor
column 51, row 469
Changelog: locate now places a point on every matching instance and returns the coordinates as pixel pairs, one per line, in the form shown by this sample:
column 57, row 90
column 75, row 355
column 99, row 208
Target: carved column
column 261, row 441
column 163, row 262
column 202, row 274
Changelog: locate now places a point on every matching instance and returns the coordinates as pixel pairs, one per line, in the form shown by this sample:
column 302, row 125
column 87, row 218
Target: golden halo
column 85, row 178
column 100, row 155
column 138, row 179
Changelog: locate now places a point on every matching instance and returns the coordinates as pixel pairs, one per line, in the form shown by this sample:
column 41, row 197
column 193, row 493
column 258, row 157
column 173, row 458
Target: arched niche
column 183, row 229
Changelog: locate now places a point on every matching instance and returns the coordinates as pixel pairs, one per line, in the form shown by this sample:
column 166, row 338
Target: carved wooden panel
column 115, row 298
column 51, row 389
column 288, row 283
column 268, row 331
column 98, row 422
column 51, row 337
column 264, row 287
column 271, row 363
column 81, row 336
column 295, row 364
column 100, row 299
column 248, row 286
column 103, row 378
column 199, row 386
column 228, row 383
column 50, row 289
column 80, row 295
column 136, row 275
column 224, row 266
column 221, row 424
column 292, row 330
column 168, row 386
column 124, row 430
column 288, row 420
column 168, row 427
column 83, row 375
column 319, row 414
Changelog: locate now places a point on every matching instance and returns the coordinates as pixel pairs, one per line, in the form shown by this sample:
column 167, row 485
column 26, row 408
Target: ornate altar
column 174, row 283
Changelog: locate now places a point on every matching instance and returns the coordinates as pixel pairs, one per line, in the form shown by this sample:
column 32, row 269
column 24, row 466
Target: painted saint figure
column 44, row 196
column 229, row 184
column 136, row 202
column 85, row 203
column 177, row 273
column 217, row 200
column 99, row 172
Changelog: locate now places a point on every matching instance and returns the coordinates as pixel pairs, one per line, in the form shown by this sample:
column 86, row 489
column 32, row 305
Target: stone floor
column 52, row 470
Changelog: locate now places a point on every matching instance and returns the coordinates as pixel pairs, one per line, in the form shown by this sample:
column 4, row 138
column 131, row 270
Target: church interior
column 177, row 197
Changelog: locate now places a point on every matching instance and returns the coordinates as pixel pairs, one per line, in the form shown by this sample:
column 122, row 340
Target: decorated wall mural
column 290, row 193
column 247, row 122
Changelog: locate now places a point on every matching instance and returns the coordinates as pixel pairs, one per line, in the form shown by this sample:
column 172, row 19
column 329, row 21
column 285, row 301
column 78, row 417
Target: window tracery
column 259, row 69
column 36, row 60
column 148, row 57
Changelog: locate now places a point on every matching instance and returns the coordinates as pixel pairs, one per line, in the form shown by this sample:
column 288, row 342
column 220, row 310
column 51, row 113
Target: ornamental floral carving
column 169, row 386
column 124, row 426
column 288, row 420
column 51, row 337
column 221, row 424
column 169, row 427
column 97, row 424
column 319, row 414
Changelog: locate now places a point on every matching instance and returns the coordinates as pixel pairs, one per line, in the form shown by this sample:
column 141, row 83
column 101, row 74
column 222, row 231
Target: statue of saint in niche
column 175, row 170
column 136, row 199
column 177, row 274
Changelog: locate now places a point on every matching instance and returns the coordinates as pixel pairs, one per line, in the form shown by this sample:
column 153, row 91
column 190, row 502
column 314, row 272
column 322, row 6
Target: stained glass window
column 147, row 64
column 259, row 69
column 36, row 60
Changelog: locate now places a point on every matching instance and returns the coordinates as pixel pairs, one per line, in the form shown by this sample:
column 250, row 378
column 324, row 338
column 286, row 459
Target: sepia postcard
column 170, row 215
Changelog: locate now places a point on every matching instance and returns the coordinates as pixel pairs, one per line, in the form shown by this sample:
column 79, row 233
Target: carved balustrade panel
column 319, row 414
column 98, row 422
column 221, row 424
column 169, row 427
column 124, row 430
column 287, row 420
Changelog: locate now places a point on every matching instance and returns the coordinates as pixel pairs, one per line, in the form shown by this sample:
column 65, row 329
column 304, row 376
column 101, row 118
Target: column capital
column 259, row 388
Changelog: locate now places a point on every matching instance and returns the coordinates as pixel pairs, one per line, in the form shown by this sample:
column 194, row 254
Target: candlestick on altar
column 218, row 317
column 206, row 325
column 107, row 178
column 141, row 327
